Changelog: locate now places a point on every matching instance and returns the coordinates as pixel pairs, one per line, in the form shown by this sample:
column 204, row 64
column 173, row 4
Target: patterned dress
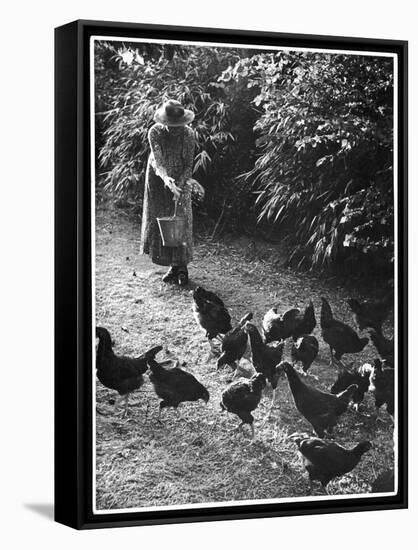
column 172, row 153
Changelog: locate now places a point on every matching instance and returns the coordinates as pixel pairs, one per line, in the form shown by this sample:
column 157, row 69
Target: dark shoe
column 182, row 276
column 171, row 275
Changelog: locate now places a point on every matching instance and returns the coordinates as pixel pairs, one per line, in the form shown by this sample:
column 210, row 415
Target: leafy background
column 293, row 147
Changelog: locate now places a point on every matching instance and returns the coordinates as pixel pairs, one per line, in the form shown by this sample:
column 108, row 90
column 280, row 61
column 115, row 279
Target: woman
column 168, row 179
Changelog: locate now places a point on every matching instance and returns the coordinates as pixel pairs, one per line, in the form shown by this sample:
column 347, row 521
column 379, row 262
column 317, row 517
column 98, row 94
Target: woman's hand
column 171, row 184
column 198, row 191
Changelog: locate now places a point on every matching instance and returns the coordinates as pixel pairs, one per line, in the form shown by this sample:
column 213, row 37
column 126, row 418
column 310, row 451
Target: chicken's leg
column 273, row 398
column 126, row 405
column 116, row 404
column 252, row 431
column 332, row 356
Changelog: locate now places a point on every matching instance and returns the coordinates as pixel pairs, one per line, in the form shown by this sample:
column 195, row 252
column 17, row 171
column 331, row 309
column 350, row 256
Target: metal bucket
column 172, row 230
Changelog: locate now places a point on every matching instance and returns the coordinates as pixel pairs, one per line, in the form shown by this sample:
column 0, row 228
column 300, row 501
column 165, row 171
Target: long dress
column 172, row 153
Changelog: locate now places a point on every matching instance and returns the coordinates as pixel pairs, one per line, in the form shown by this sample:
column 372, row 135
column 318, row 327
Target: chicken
column 123, row 374
column 307, row 324
column 321, row 409
column 242, row 397
column 174, row 385
column 370, row 314
column 384, row 483
column 305, row 350
column 292, row 323
column 382, row 384
column 352, row 375
column 265, row 357
column 210, row 314
column 326, row 460
column 234, row 344
column 384, row 347
column 340, row 337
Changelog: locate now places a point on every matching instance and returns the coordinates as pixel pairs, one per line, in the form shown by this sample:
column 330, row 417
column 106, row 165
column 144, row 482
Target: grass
column 198, row 458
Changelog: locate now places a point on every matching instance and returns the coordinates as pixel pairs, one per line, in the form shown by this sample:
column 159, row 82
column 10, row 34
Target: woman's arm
column 154, row 141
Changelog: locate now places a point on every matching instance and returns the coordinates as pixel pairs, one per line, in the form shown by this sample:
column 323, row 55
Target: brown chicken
column 211, row 314
column 292, row 323
column 117, row 372
column 352, row 375
column 370, row 314
column 305, row 350
column 265, row 357
column 340, row 337
column 242, row 397
column 326, row 460
column 234, row 344
column 321, row 409
column 384, row 346
column 382, row 384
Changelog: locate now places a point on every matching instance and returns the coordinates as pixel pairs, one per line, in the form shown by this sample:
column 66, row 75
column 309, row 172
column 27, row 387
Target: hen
column 347, row 376
column 371, row 314
column 384, row 483
column 292, row 323
column 326, row 460
column 305, row 350
column 242, row 397
column 123, row 374
column 211, row 314
column 384, row 347
column 174, row 385
column 234, row 344
column 321, row 409
column 265, row 358
column 382, row 384
column 340, row 337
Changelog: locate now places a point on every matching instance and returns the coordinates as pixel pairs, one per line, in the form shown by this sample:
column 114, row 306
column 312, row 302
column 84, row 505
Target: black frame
column 73, row 345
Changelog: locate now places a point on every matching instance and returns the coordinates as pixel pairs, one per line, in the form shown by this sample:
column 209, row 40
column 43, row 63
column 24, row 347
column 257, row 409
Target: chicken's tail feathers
column 298, row 437
column 349, row 392
column 247, row 317
column 151, row 353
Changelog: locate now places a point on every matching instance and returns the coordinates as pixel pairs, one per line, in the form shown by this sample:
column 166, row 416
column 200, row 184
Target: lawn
column 198, row 457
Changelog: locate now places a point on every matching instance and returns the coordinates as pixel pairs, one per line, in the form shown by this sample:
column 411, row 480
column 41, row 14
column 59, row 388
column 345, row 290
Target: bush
column 324, row 172
column 299, row 143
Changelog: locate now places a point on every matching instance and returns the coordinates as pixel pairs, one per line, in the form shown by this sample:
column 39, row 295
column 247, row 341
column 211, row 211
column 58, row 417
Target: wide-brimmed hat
column 172, row 113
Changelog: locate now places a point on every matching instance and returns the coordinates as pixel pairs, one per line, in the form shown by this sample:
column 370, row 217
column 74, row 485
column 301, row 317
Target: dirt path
column 198, row 458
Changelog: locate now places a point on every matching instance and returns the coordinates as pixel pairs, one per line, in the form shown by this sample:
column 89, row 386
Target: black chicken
column 340, row 337
column 326, row 460
column 123, row 374
column 347, row 376
column 292, row 323
column 234, row 344
column 265, row 357
column 242, row 397
column 370, row 314
column 384, row 347
column 174, row 385
column 211, row 314
column 382, row 384
column 384, row 483
column 321, row 409
column 305, row 350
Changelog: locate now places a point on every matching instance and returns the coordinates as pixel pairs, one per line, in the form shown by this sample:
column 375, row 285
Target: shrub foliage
column 296, row 143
